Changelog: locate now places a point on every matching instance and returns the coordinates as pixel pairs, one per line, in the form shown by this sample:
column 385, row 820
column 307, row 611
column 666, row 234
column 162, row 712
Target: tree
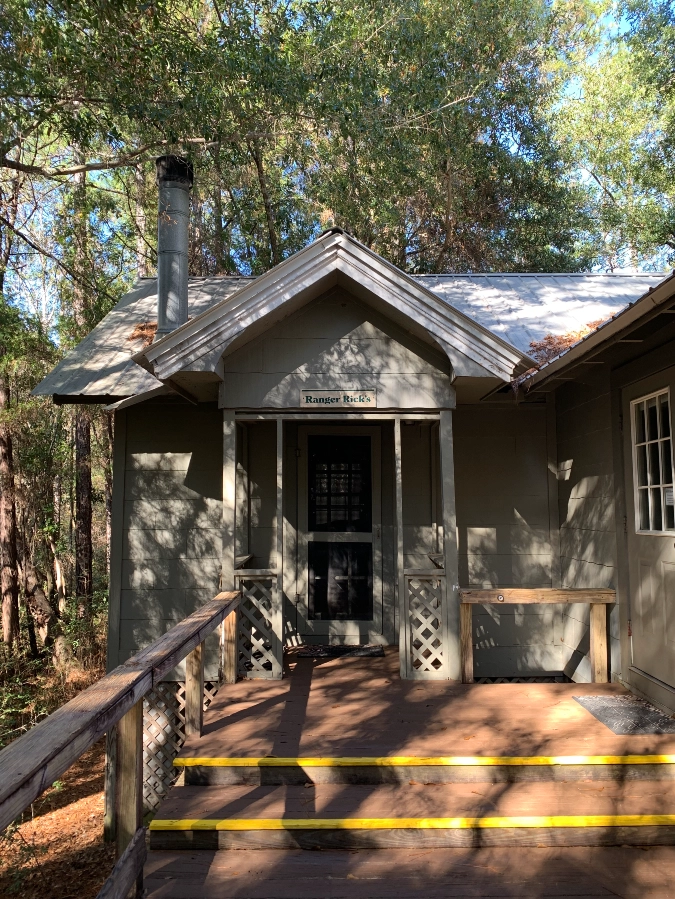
column 617, row 122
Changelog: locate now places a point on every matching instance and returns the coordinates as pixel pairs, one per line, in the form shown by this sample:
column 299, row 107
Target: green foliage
column 618, row 123
column 420, row 125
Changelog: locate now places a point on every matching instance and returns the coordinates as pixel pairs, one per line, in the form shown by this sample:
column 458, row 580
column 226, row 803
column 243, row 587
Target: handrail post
column 230, row 628
column 129, row 781
column 194, row 691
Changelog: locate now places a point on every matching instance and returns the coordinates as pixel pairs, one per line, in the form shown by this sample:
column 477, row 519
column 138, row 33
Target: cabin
column 373, row 458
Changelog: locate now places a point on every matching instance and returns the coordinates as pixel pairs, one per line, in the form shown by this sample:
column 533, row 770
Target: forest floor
column 58, row 849
column 55, row 848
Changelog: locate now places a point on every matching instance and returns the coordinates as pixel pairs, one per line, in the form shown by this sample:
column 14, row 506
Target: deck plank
column 361, row 707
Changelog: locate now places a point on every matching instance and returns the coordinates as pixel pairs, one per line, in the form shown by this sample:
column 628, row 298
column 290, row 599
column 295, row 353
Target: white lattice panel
column 164, row 736
column 259, row 639
column 426, row 626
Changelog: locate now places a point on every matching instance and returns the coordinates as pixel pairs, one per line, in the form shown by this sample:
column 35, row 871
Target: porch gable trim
column 333, row 258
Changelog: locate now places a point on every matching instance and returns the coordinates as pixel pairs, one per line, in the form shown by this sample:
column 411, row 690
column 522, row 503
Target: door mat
column 335, row 651
column 523, row 679
column 628, row 715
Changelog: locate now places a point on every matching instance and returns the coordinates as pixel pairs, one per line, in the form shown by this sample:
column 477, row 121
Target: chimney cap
column 174, row 168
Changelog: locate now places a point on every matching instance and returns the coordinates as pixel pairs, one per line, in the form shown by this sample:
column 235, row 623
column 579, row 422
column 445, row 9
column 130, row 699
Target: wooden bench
column 30, row 764
column 598, row 600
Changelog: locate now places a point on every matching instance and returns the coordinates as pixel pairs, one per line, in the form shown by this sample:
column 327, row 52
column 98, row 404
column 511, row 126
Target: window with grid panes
column 340, row 492
column 653, row 464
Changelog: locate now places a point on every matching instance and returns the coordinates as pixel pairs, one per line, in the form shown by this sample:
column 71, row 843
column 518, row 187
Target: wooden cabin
column 353, row 446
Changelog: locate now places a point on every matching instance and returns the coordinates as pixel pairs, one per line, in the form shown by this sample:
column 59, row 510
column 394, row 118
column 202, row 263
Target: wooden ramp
column 343, row 756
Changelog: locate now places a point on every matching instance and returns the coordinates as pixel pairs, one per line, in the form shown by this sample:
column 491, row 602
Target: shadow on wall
column 172, row 524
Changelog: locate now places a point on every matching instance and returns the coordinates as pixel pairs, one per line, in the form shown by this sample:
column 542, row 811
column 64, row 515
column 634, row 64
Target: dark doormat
column 335, row 651
column 628, row 715
column 523, row 679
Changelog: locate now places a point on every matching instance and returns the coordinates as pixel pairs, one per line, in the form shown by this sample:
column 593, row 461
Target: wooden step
column 211, row 770
column 488, row 872
column 344, row 816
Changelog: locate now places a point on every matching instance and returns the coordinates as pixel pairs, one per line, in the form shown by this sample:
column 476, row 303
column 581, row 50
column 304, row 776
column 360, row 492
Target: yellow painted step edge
column 457, row 822
column 330, row 762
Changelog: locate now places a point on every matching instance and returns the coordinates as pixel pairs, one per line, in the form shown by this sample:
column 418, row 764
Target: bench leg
column 598, row 635
column 466, row 641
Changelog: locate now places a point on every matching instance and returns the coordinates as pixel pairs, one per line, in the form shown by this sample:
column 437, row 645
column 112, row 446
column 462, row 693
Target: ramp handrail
column 30, row 764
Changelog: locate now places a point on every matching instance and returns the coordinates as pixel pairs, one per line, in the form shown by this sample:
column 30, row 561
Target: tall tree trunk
column 9, row 578
column 141, row 247
column 44, row 616
column 83, row 543
column 256, row 152
column 83, row 500
column 218, row 231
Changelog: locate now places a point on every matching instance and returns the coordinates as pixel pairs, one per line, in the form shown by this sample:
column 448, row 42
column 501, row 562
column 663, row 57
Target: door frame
column 338, row 631
column 639, row 389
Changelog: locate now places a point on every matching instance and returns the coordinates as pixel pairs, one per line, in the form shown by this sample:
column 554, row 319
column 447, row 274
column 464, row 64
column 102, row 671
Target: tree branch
column 76, row 170
column 44, row 252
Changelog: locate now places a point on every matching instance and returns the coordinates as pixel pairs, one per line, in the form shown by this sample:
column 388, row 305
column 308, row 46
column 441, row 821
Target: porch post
column 451, row 640
column 403, row 619
column 229, row 499
column 278, row 594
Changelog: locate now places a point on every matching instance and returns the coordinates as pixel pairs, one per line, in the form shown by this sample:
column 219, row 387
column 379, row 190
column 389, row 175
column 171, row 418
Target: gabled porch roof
column 334, row 259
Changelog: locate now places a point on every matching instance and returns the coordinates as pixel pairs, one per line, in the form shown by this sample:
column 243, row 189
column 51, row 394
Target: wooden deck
column 361, row 707
column 238, row 832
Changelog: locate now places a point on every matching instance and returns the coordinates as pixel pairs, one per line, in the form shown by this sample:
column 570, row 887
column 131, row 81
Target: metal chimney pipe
column 175, row 176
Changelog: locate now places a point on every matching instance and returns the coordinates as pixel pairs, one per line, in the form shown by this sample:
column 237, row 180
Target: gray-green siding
column 170, row 533
column 586, row 509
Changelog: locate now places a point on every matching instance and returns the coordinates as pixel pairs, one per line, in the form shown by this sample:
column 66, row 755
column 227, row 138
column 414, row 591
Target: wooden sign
column 338, row 399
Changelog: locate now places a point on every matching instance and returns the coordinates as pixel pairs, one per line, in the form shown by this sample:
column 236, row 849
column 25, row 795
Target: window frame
column 634, row 447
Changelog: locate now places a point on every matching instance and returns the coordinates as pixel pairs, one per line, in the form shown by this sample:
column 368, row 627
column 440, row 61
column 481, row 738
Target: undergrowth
column 32, row 688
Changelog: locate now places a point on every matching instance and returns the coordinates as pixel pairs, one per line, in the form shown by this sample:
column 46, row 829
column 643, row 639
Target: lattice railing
column 164, row 736
column 260, row 624
column 426, row 633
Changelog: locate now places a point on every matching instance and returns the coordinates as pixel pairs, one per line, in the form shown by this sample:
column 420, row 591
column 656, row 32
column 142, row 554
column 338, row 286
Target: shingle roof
column 518, row 308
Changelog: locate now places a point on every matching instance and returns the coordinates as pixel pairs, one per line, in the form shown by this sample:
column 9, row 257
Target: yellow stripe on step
column 336, row 762
column 457, row 822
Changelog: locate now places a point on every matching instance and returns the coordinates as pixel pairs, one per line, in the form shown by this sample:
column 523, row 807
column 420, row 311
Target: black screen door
column 340, row 581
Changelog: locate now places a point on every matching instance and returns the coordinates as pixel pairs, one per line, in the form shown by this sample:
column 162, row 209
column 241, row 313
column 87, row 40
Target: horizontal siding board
column 173, row 513
column 181, row 485
column 588, row 514
column 584, row 544
column 542, row 659
column 502, row 570
column 577, row 573
column 171, row 574
column 141, row 544
column 149, row 603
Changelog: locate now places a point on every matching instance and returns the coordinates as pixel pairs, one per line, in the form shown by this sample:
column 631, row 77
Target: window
column 340, row 491
column 653, row 464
